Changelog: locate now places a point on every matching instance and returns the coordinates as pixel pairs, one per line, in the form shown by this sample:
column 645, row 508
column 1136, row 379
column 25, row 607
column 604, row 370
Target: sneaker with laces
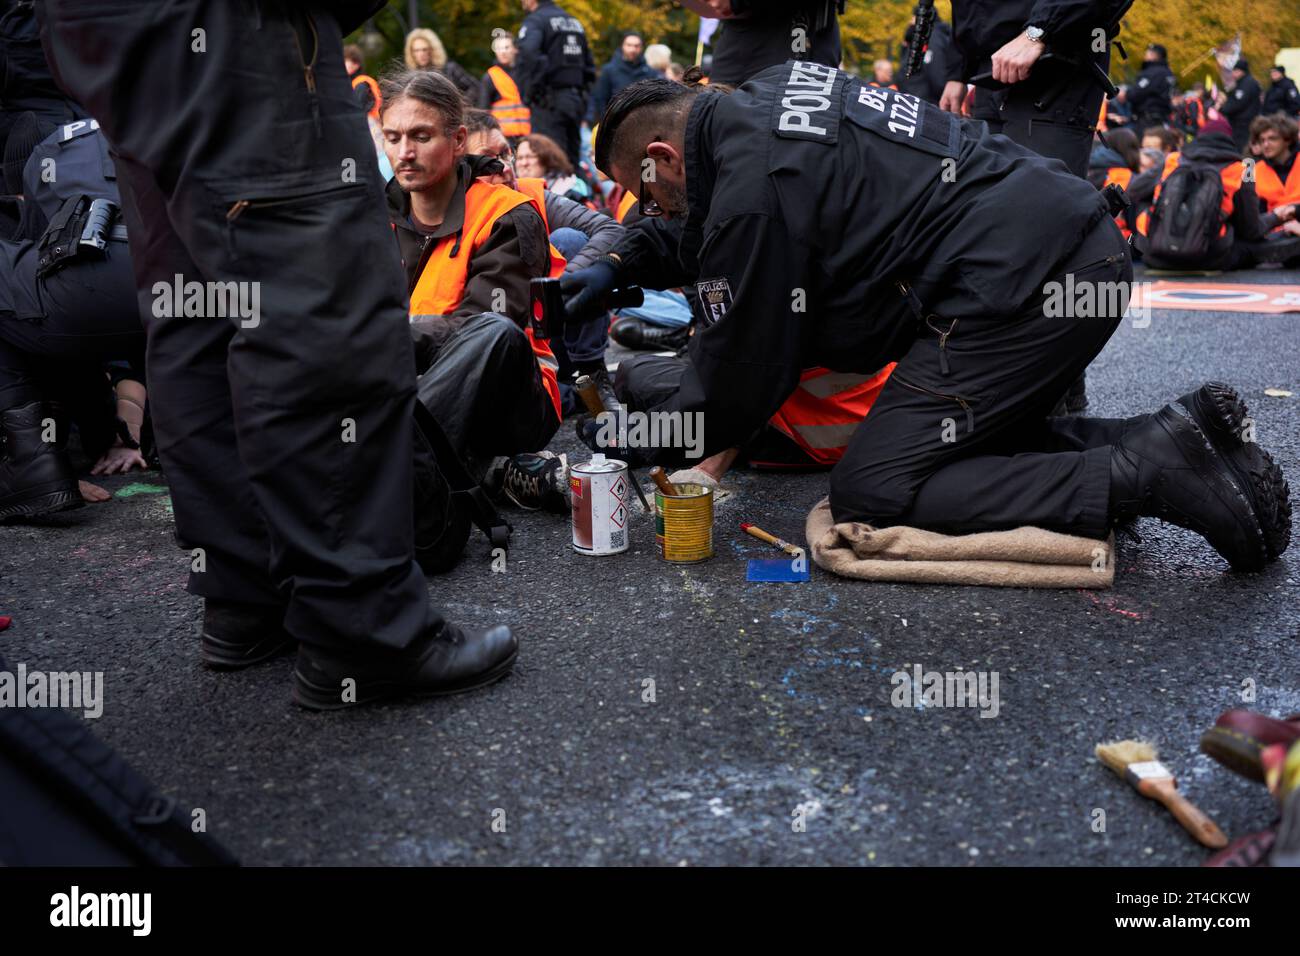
column 538, row 482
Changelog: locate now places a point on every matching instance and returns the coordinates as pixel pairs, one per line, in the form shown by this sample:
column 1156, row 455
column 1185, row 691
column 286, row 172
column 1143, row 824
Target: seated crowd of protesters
column 481, row 204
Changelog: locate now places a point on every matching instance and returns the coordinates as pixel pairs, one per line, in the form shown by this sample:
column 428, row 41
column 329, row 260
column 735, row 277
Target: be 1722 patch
column 715, row 299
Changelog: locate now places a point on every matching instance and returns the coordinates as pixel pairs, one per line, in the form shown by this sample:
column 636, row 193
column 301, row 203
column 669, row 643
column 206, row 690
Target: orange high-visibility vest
column 374, row 92
column 1272, row 189
column 441, row 285
column 1230, row 175
column 1102, row 116
column 625, row 205
column 509, row 110
column 822, row 413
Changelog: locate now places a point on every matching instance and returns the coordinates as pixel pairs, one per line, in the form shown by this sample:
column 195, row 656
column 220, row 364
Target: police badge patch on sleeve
column 715, row 299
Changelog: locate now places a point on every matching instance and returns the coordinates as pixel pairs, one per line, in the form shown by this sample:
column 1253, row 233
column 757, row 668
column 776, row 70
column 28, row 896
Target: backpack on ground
column 1186, row 218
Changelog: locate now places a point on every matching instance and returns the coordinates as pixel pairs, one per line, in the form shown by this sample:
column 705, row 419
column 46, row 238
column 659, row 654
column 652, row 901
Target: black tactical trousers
column 485, row 389
column 88, row 316
column 560, row 118
column 960, row 440
column 286, row 436
column 1053, row 118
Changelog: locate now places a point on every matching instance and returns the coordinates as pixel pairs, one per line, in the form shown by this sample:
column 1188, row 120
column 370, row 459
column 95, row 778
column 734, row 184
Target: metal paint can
column 598, row 491
column 684, row 524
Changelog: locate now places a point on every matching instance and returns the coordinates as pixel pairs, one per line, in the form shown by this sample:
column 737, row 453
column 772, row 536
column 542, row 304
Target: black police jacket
column 1151, row 94
column 1282, row 97
column 553, row 54
column 811, row 197
column 982, row 27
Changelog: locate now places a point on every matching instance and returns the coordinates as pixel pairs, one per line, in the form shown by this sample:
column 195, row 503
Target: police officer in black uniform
column 823, row 231
column 755, row 34
column 556, row 71
column 286, row 434
column 67, row 305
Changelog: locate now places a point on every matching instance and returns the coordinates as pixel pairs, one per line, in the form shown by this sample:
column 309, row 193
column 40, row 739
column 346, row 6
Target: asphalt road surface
column 771, row 702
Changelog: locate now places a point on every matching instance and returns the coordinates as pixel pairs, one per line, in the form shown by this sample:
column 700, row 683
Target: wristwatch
column 1035, row 33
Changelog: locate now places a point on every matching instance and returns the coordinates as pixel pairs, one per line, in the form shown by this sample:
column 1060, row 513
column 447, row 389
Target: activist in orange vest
column 507, row 105
column 1240, row 219
column 469, row 249
column 376, row 101
column 1277, row 174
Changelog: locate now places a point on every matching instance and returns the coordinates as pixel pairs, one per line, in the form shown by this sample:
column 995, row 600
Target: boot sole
column 43, row 504
column 1224, row 422
column 222, row 655
column 317, row 697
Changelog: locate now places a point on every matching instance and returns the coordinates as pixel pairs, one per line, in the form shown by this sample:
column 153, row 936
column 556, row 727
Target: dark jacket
column 468, row 86
column 617, row 74
column 1282, row 97
column 1151, row 94
column 1243, row 105
column 831, row 208
column 982, row 27
column 515, row 252
column 602, row 232
column 760, row 37
column 553, row 54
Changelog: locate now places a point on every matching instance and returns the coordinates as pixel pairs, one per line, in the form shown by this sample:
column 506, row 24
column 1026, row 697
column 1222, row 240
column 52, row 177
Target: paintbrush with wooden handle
column 1135, row 761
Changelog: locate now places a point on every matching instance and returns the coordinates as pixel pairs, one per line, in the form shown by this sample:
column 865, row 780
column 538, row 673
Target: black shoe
column 538, row 482
column 1167, row 468
column 633, row 333
column 237, row 635
column 36, row 476
column 1223, row 416
column 452, row 662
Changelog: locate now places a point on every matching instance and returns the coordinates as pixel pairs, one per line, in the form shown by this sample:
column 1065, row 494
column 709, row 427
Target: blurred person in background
column 424, row 51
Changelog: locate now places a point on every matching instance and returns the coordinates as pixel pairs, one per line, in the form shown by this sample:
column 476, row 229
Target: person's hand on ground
column 118, row 460
column 954, row 94
column 92, row 494
column 1285, row 213
column 1013, row 62
column 1292, row 227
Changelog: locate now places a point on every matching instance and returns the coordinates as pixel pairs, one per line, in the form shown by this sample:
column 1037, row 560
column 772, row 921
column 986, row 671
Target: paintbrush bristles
column 1119, row 754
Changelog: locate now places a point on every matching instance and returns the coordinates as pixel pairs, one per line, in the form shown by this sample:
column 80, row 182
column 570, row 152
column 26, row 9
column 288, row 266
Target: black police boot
column 1167, row 468
column 1224, row 418
column 238, row 635
column 36, row 476
column 633, row 333
column 451, row 661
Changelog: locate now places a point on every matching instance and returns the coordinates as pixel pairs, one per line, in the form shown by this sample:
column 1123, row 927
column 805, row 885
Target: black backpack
column 448, row 502
column 1186, row 218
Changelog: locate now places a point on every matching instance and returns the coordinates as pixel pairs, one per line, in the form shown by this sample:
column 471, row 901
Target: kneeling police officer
column 837, row 224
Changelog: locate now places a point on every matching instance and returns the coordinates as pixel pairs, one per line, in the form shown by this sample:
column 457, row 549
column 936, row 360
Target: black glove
column 586, row 290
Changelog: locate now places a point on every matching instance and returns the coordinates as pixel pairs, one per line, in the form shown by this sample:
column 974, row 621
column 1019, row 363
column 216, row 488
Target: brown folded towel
column 1021, row 558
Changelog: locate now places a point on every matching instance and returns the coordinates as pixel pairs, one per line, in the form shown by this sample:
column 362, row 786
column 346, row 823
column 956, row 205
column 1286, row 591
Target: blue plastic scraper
column 778, row 569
